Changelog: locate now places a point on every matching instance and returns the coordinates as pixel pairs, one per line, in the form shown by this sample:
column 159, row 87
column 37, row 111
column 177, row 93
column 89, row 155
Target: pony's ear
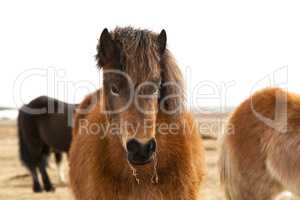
column 106, row 48
column 162, row 41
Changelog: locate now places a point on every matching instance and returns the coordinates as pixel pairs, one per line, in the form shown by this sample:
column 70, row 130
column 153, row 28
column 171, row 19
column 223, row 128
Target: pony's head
column 140, row 81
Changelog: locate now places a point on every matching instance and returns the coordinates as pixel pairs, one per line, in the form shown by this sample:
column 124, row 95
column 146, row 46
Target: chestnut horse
column 135, row 140
column 44, row 125
column 260, row 152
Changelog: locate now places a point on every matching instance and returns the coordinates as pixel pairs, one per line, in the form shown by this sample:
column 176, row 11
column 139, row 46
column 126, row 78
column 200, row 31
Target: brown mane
column 139, row 49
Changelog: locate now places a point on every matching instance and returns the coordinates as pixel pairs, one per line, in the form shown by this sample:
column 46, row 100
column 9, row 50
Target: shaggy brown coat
column 99, row 169
column 260, row 154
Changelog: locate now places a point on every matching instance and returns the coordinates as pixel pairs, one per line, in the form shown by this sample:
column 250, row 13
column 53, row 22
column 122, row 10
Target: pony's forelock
column 140, row 58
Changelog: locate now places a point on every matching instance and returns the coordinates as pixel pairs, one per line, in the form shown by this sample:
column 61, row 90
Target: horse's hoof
column 49, row 188
column 37, row 188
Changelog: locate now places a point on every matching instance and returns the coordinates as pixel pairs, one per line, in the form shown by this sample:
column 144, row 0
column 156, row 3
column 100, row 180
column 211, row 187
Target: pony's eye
column 115, row 90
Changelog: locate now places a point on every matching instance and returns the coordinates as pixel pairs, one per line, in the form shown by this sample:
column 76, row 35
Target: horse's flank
column 259, row 161
column 44, row 125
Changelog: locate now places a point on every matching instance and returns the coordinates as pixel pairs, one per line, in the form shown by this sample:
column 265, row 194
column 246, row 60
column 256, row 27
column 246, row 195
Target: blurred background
column 225, row 49
column 48, row 47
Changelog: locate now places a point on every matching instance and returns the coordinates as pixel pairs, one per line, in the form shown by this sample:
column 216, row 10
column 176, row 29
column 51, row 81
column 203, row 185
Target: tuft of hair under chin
column 154, row 178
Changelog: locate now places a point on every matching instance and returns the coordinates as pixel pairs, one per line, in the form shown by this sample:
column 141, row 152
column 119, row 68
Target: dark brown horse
column 137, row 141
column 44, row 125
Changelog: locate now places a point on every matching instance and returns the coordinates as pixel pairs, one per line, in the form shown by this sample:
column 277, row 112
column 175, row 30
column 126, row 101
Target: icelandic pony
column 260, row 152
column 135, row 140
column 44, row 125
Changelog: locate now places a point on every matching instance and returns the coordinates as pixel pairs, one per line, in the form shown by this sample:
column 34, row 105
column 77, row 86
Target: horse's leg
column 30, row 154
column 283, row 161
column 266, row 188
column 249, row 180
column 36, row 183
column 42, row 167
column 60, row 170
column 253, row 184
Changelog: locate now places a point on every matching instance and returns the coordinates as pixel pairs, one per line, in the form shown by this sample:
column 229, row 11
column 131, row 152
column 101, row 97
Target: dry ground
column 15, row 183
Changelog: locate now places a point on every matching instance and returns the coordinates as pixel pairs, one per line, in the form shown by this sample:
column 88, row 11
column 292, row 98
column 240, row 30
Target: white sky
column 213, row 41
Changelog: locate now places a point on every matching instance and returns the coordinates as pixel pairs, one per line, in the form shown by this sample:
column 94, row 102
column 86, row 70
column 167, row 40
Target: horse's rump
column 259, row 156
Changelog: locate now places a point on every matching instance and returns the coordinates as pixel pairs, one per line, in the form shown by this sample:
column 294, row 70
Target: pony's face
column 132, row 110
column 132, row 88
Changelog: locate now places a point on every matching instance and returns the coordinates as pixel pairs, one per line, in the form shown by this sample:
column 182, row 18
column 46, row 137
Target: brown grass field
column 15, row 183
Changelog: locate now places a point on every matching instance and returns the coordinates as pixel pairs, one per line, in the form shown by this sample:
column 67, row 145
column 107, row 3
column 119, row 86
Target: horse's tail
column 23, row 149
column 25, row 153
column 226, row 171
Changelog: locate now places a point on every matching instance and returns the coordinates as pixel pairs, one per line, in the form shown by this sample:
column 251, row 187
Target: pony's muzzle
column 140, row 153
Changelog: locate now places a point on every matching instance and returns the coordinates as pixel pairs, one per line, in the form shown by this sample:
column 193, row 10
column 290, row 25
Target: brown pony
column 260, row 154
column 135, row 140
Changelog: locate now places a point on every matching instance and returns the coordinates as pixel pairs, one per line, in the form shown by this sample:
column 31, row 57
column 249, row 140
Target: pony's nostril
column 133, row 146
column 140, row 153
column 151, row 146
